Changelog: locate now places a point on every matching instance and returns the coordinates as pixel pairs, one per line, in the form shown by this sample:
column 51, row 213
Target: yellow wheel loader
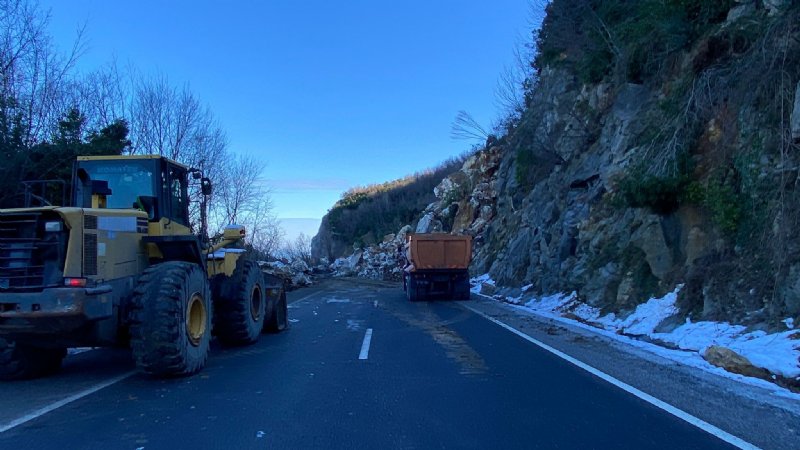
column 121, row 266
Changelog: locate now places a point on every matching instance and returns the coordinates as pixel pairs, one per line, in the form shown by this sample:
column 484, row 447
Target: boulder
column 301, row 279
column 428, row 224
column 345, row 266
column 402, row 234
column 488, row 289
column 733, row 362
column 354, row 259
column 649, row 237
column 294, row 275
column 299, row 265
column 447, row 185
column 464, row 216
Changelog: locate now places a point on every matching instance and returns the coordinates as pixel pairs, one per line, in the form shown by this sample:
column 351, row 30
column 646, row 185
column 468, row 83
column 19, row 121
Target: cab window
column 126, row 179
column 176, row 195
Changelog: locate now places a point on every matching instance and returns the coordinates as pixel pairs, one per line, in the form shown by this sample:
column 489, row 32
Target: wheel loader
column 120, row 266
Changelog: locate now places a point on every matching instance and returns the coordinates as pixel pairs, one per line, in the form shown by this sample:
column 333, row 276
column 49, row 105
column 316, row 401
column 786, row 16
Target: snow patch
column 779, row 353
column 649, row 315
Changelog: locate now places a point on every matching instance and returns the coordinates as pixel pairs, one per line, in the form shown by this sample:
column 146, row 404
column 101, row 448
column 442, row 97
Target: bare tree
column 242, row 198
column 104, row 95
column 511, row 85
column 32, row 72
column 172, row 122
column 466, row 127
column 266, row 233
column 299, row 250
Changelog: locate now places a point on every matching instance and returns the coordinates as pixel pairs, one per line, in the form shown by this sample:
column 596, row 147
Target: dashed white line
column 365, row 345
column 53, row 406
column 683, row 415
column 305, row 298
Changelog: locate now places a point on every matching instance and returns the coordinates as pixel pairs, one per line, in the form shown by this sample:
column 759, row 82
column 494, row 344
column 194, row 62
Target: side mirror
column 205, row 186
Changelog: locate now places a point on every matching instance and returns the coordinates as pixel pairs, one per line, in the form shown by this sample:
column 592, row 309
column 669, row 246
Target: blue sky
column 329, row 95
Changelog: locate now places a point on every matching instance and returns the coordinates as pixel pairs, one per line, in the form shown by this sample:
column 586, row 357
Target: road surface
column 360, row 367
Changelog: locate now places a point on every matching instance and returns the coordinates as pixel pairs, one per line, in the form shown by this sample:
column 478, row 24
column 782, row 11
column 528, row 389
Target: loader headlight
column 53, row 227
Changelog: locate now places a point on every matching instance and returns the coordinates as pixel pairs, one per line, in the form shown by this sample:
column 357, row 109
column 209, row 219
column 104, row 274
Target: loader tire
column 279, row 321
column 171, row 319
column 19, row 362
column 240, row 304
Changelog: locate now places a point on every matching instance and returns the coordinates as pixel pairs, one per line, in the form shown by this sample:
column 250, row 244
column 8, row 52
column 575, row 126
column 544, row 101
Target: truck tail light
column 75, row 282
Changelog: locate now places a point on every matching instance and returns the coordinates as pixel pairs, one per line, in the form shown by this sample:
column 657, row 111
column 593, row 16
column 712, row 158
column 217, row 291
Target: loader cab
column 153, row 184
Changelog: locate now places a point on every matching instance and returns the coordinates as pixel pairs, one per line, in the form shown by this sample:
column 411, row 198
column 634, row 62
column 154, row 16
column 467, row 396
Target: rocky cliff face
column 326, row 244
column 623, row 190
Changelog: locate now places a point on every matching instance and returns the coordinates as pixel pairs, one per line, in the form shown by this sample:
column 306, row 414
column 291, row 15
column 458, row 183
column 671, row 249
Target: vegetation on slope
column 365, row 214
column 716, row 138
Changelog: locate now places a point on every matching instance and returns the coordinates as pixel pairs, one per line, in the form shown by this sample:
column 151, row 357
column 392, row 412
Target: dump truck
column 437, row 266
column 120, row 266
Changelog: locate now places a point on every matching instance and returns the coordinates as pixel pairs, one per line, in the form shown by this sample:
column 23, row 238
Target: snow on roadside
column 779, row 353
column 477, row 282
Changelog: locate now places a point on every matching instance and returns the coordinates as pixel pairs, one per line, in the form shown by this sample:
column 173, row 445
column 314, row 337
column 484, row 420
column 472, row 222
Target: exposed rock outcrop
column 621, row 189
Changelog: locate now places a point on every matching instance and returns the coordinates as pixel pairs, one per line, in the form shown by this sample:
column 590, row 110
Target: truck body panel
column 437, row 266
column 440, row 251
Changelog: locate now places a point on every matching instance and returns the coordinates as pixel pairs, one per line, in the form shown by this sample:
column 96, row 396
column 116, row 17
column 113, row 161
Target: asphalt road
column 432, row 375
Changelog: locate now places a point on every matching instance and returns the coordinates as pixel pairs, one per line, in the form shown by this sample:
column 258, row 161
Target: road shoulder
column 752, row 413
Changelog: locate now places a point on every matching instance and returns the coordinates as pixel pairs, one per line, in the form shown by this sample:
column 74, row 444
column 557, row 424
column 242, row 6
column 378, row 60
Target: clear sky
column 328, row 94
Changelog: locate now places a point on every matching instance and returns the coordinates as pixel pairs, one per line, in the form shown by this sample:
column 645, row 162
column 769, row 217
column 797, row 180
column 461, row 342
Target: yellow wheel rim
column 196, row 318
column 255, row 303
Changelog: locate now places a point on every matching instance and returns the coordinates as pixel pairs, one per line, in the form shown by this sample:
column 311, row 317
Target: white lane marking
column 305, row 298
column 53, row 406
column 683, row 415
column 375, row 304
column 365, row 345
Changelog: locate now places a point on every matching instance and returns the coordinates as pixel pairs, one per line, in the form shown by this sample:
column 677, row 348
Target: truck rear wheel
column 462, row 291
column 171, row 319
column 19, row 362
column 412, row 291
column 280, row 316
column 240, row 302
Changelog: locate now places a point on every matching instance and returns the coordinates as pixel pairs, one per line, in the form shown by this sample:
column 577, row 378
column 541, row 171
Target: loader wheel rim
column 196, row 318
column 255, row 303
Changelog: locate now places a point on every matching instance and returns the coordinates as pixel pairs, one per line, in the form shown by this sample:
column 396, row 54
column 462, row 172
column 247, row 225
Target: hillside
column 364, row 215
column 658, row 147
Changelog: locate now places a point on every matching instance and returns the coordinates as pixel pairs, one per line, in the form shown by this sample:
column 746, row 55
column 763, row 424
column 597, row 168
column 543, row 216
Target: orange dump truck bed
column 439, row 251
column 438, row 266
